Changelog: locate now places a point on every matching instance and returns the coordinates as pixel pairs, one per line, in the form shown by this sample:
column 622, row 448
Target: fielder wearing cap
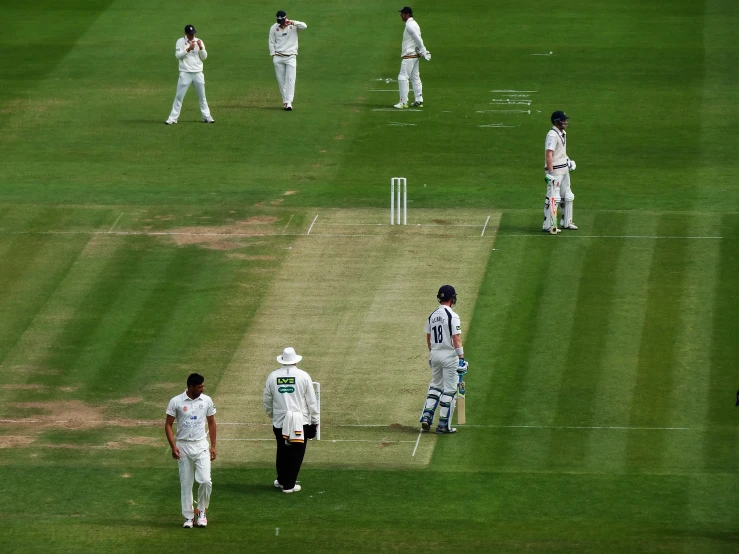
column 191, row 410
column 283, row 47
column 446, row 359
column 557, row 167
column 411, row 50
column 290, row 401
column 191, row 53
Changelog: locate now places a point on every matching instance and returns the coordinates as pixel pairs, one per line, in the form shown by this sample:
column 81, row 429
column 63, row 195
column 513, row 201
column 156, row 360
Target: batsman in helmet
column 557, row 167
column 446, row 359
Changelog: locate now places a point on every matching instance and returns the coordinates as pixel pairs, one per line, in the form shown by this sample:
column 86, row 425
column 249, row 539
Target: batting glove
column 551, row 179
column 311, row 431
column 463, row 367
column 571, row 164
column 427, row 56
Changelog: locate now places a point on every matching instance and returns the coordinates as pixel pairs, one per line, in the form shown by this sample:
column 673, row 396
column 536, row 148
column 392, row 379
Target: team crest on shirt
column 184, row 409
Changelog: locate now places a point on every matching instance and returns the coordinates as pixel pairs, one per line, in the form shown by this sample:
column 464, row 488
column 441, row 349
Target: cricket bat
column 461, row 416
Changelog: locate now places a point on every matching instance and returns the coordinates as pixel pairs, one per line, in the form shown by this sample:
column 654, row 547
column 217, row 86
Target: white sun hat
column 289, row 357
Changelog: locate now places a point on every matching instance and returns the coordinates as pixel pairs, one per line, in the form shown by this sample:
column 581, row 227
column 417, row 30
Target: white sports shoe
column 288, row 107
column 187, row 524
column 208, row 120
column 296, row 488
column 277, row 484
column 401, row 105
column 170, row 122
column 202, row 519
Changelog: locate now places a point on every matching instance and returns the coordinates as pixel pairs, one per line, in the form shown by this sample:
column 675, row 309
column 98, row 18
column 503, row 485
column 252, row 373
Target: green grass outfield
column 601, row 411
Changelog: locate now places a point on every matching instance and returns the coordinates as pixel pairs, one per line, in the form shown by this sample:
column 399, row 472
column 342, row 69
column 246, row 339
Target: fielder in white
column 290, row 401
column 446, row 359
column 192, row 409
column 283, row 47
column 411, row 50
column 190, row 52
column 558, row 167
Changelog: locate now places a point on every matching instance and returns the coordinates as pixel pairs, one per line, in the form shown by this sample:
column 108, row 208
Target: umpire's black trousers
column 289, row 458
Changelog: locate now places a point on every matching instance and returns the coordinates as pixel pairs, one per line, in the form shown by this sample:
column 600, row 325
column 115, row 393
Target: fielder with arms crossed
column 446, row 358
column 558, row 166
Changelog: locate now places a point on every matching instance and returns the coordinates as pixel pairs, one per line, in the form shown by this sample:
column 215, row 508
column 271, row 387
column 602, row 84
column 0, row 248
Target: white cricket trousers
column 183, row 83
column 409, row 71
column 286, row 69
column 194, row 464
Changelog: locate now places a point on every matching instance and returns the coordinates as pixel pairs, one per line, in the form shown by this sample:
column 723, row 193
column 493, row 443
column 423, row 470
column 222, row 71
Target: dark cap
column 559, row 115
column 190, row 30
column 281, row 15
column 406, row 10
column 446, row 292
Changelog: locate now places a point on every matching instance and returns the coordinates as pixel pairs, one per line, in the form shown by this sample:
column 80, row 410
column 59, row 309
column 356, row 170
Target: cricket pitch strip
column 352, row 298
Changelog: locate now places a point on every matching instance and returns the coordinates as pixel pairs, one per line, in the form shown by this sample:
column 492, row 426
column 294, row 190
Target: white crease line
column 288, row 224
column 312, row 224
column 505, row 111
column 383, row 90
column 485, row 227
column 417, row 441
column 614, row 427
column 395, row 110
column 511, row 90
column 440, row 225
column 388, row 426
column 614, row 236
column 324, row 440
column 116, row 223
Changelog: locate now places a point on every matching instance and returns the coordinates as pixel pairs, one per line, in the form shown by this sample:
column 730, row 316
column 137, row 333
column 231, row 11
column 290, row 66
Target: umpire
column 289, row 399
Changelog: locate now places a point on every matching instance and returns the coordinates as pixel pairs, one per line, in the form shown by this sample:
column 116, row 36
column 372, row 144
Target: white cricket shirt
column 557, row 142
column 285, row 41
column 443, row 323
column 190, row 416
column 290, row 389
column 192, row 61
column 412, row 41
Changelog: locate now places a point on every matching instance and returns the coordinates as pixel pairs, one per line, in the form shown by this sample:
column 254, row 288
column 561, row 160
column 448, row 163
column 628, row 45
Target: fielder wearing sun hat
column 289, row 357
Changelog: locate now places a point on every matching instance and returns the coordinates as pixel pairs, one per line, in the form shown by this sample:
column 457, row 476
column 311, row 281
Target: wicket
column 401, row 184
column 317, row 388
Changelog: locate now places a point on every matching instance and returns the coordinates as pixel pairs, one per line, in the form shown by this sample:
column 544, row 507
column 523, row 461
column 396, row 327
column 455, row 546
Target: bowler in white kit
column 283, row 47
column 195, row 415
column 191, row 53
column 411, row 50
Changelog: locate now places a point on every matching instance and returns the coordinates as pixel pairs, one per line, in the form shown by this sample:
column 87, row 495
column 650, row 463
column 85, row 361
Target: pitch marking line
column 376, row 425
column 383, row 90
column 312, row 224
column 417, row 441
column 511, row 90
column 325, row 440
column 617, row 236
column 288, row 224
column 505, row 111
column 485, row 227
column 116, row 223
column 395, row 110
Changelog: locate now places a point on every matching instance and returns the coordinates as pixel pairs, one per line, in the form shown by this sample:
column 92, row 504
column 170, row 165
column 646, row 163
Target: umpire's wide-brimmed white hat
column 289, row 357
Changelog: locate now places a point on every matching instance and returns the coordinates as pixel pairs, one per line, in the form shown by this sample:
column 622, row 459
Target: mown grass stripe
column 621, row 348
column 32, row 271
column 655, row 377
column 68, row 359
column 721, row 446
column 582, row 355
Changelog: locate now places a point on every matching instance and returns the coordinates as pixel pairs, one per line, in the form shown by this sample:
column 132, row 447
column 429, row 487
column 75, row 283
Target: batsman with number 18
column 446, row 359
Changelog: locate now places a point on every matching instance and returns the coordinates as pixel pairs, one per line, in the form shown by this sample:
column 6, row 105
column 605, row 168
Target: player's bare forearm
column 428, row 341
column 168, row 431
column 212, row 434
column 457, row 341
